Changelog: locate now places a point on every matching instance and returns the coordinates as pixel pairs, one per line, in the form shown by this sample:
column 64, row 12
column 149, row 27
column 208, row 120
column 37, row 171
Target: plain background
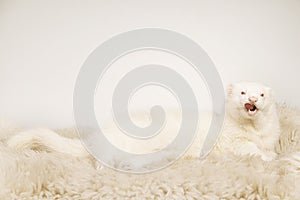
column 44, row 43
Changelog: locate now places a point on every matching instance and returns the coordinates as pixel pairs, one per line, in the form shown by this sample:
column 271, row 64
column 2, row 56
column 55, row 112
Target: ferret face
column 248, row 99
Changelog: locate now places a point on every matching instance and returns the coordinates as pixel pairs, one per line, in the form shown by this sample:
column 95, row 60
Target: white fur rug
column 48, row 175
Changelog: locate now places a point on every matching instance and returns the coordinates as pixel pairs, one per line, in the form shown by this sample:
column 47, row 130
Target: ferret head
column 248, row 100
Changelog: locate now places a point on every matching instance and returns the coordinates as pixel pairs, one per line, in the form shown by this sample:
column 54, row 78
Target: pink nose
column 252, row 99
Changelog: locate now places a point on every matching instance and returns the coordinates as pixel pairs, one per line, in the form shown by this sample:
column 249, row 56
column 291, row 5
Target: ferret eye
column 243, row 93
column 262, row 94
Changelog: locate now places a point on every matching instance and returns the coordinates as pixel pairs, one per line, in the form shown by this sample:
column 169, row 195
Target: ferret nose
column 252, row 99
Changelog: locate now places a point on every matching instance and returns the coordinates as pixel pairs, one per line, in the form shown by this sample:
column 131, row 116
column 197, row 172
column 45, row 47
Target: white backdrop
column 44, row 43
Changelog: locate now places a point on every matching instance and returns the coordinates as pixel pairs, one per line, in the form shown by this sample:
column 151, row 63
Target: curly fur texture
column 39, row 174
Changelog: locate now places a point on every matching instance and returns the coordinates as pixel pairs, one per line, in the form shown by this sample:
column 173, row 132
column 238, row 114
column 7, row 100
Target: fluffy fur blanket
column 32, row 174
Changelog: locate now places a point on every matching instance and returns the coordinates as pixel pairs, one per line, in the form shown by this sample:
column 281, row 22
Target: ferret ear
column 270, row 92
column 230, row 89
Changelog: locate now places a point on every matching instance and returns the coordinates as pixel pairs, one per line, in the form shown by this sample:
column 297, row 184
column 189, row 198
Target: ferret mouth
column 250, row 108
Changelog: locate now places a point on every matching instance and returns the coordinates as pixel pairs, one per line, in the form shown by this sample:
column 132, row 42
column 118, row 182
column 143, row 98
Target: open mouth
column 250, row 108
